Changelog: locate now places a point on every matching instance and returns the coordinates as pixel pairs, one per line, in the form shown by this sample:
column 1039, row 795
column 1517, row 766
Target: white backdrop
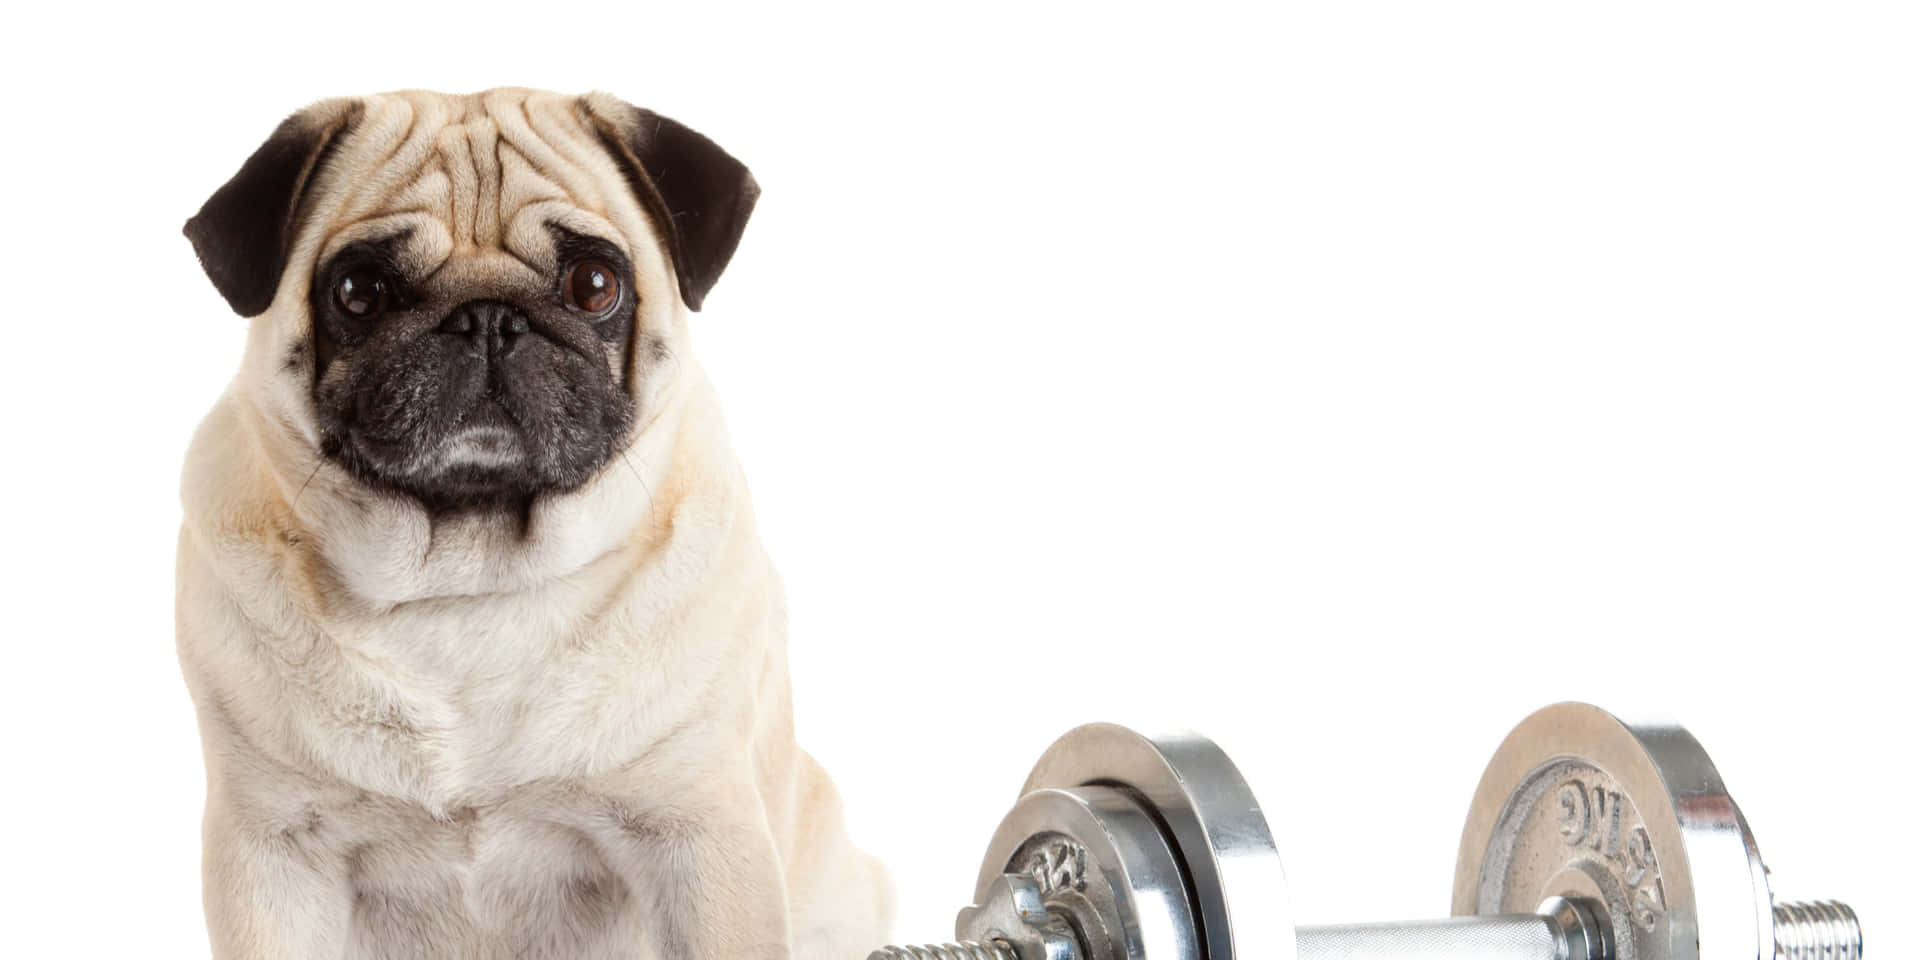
column 1344, row 380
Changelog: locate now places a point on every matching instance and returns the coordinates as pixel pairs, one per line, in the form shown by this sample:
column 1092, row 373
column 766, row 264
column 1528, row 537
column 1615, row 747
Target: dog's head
column 473, row 291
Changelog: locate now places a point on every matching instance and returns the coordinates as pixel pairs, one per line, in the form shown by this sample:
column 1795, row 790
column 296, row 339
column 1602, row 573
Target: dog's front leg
column 268, row 895
column 715, row 889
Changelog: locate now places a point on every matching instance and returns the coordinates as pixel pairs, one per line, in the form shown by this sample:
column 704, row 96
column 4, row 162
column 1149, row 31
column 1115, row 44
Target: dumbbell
column 1588, row 839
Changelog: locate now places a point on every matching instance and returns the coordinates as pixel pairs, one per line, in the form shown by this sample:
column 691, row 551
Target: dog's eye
column 362, row 293
column 591, row 286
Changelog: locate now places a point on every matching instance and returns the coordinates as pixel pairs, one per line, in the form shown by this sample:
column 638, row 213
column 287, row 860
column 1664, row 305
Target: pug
column 488, row 659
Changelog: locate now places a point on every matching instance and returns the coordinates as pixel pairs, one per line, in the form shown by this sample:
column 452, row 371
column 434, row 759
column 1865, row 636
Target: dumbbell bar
column 1588, row 839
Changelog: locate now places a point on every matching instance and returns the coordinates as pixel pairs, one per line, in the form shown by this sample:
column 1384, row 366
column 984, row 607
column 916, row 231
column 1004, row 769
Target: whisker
column 317, row 464
column 643, row 481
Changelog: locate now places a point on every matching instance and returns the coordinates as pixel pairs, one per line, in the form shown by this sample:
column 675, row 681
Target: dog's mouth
column 481, row 441
column 454, row 433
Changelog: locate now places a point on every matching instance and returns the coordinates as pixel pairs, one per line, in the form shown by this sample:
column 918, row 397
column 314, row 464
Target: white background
column 1344, row 380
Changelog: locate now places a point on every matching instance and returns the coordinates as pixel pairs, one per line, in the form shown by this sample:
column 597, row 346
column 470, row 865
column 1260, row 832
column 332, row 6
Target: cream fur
column 460, row 738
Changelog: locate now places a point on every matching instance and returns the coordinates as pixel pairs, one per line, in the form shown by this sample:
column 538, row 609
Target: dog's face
column 480, row 280
column 465, row 379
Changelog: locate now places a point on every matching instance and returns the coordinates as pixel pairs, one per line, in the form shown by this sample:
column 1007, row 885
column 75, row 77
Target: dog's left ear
column 245, row 230
column 697, row 193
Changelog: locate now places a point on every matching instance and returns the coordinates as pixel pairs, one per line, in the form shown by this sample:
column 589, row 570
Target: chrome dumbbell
column 1588, row 839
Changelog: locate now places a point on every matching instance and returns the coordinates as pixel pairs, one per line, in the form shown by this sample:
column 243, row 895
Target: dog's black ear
column 697, row 193
column 245, row 230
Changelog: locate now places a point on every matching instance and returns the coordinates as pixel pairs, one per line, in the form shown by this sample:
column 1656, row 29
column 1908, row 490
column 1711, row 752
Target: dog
column 488, row 659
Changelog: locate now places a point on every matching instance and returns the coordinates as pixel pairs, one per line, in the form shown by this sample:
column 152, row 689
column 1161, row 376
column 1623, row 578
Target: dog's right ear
column 245, row 231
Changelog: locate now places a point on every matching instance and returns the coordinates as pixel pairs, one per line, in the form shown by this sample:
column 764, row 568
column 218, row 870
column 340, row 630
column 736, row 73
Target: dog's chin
column 477, row 468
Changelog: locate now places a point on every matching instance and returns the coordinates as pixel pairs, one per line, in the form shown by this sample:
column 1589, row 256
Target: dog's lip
column 492, row 433
column 484, row 445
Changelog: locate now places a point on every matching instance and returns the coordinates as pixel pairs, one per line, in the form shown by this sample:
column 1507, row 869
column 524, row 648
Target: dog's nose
column 491, row 323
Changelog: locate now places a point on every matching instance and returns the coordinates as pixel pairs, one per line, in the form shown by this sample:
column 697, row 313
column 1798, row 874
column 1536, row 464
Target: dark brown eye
column 362, row 294
column 591, row 286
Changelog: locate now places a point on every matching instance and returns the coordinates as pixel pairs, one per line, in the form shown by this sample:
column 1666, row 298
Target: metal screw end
column 959, row 950
column 1815, row 930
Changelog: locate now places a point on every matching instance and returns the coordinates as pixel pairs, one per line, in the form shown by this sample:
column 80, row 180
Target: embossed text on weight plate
column 1056, row 861
column 1596, row 817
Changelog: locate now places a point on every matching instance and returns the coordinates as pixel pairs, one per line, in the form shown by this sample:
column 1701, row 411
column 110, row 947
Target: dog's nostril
column 489, row 322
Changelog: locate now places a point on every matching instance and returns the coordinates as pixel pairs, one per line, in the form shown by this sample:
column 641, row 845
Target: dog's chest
column 451, row 707
column 538, row 876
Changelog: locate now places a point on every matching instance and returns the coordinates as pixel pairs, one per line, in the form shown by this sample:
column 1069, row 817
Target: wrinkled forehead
column 480, row 174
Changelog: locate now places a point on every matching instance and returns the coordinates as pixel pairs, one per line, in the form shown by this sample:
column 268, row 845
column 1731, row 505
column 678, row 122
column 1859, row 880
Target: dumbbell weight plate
column 1232, row 869
column 1577, row 803
column 1099, row 858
